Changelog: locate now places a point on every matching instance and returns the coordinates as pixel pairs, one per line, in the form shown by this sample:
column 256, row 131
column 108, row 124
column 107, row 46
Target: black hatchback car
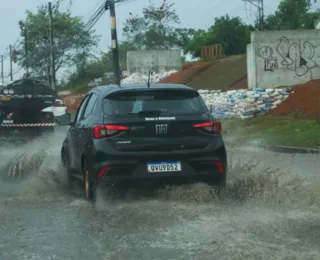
column 138, row 132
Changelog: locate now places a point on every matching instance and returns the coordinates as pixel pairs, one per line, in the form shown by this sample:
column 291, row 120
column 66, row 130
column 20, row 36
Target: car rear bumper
column 192, row 170
column 208, row 163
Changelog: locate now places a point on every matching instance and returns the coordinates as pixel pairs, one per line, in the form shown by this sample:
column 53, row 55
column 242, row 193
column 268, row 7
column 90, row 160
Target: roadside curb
column 287, row 149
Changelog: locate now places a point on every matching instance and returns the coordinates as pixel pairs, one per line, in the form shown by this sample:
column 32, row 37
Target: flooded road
column 270, row 211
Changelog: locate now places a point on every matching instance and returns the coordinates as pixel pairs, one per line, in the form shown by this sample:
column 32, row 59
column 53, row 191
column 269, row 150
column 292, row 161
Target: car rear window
column 167, row 102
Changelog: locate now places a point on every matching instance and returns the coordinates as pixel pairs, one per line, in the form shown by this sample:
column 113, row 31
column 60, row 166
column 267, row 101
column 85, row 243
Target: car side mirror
column 64, row 119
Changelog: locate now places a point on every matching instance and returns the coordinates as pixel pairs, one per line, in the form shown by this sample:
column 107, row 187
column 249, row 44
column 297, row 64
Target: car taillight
column 214, row 127
column 219, row 165
column 103, row 171
column 101, row 131
column 66, row 110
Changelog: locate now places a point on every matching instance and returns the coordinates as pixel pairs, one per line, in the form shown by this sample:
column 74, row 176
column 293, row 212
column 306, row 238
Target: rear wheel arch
column 87, row 162
column 62, row 152
column 83, row 161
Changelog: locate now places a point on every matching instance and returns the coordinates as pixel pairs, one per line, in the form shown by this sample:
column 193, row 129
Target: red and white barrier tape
column 27, row 125
column 27, row 96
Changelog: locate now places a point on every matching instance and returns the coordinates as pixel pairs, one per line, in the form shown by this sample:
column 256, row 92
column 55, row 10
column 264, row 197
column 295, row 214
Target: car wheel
column 88, row 185
column 65, row 163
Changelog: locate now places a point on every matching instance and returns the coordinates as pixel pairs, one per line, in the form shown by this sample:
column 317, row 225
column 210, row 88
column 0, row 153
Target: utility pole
column 53, row 67
column 262, row 15
column 115, row 48
column 11, row 75
column 24, row 31
column 2, row 76
column 260, row 5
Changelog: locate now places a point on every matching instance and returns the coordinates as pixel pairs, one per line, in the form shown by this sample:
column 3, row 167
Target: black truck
column 21, row 105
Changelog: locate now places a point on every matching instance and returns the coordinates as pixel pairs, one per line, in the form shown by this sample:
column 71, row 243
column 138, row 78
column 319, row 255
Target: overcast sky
column 193, row 14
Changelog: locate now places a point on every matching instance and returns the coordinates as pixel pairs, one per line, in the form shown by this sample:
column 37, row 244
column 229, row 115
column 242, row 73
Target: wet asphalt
column 271, row 210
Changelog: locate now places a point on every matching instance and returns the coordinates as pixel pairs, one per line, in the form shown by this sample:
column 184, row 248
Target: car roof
column 109, row 89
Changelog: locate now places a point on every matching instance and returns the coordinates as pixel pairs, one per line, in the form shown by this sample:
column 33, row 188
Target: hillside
column 222, row 74
column 225, row 73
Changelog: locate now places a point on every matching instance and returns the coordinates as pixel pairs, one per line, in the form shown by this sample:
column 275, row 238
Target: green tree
column 154, row 29
column 231, row 33
column 310, row 20
column 191, row 41
column 292, row 15
column 97, row 67
column 72, row 42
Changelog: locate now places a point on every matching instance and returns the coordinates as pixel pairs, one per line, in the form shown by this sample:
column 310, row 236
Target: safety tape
column 27, row 125
column 27, row 96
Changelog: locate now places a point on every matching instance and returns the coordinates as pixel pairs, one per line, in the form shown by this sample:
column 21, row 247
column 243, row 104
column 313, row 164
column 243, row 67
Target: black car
column 139, row 132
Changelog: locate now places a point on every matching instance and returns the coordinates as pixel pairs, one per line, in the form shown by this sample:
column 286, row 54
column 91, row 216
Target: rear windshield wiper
column 146, row 113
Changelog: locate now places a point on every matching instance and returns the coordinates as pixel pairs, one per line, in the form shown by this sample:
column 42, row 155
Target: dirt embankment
column 224, row 74
column 305, row 99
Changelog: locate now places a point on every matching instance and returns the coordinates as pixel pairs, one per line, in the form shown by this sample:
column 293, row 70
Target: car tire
column 89, row 187
column 65, row 164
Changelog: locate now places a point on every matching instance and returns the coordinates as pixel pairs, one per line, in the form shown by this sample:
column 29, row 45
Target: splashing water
column 31, row 168
column 270, row 210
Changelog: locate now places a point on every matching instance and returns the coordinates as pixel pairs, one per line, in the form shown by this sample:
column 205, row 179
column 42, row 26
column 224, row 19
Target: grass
column 290, row 130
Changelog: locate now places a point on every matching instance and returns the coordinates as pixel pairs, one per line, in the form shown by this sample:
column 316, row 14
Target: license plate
column 164, row 167
column 7, row 121
column 5, row 98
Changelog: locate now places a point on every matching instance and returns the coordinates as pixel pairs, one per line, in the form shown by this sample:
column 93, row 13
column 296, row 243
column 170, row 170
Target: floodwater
column 271, row 210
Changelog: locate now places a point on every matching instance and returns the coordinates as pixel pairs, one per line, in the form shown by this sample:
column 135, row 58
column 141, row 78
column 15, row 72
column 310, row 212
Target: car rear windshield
column 162, row 102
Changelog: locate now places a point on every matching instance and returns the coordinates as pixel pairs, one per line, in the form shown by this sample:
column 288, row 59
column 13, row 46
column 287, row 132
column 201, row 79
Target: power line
column 94, row 18
column 100, row 11
column 260, row 5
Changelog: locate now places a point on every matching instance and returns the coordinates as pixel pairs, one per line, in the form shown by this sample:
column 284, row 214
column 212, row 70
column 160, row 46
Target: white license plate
column 7, row 121
column 164, row 167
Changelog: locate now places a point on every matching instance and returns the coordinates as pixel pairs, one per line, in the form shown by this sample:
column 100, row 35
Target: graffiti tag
column 300, row 58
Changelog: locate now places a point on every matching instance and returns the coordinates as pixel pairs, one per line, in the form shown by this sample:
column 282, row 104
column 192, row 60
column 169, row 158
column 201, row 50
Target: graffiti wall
column 283, row 58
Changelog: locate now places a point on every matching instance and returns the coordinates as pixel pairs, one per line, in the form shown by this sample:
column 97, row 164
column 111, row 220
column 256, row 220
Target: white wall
column 162, row 60
column 317, row 25
column 283, row 58
column 251, row 67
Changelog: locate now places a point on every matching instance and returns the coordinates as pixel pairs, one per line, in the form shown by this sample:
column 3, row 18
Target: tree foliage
column 231, row 33
column 154, row 29
column 72, row 42
column 96, row 68
column 292, row 15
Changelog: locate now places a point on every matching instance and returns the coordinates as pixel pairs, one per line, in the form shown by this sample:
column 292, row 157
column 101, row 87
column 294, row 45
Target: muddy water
column 271, row 210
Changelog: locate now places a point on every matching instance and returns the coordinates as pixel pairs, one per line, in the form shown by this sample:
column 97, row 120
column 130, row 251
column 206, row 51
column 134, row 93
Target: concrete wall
column 251, row 67
column 317, row 25
column 283, row 58
column 142, row 61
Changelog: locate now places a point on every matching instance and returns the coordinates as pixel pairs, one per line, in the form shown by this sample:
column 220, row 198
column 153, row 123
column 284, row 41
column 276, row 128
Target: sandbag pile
column 138, row 78
column 243, row 103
